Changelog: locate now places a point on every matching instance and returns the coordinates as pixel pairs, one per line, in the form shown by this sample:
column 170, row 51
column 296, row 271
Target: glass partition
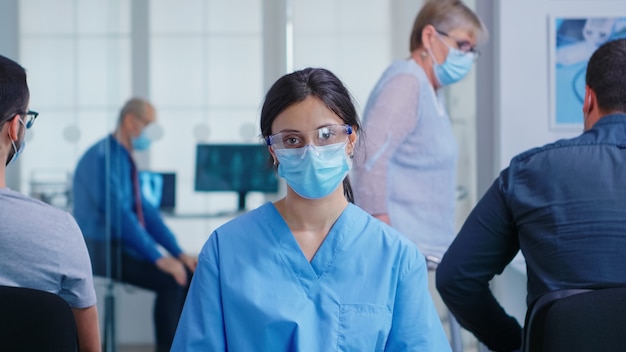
column 206, row 82
column 78, row 59
column 207, row 66
column 349, row 37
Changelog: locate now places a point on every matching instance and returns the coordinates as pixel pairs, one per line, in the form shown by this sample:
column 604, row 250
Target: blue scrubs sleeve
column 201, row 325
column 416, row 325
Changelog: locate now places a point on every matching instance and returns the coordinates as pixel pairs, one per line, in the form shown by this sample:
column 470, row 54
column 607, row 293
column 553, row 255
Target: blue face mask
column 313, row 172
column 17, row 151
column 141, row 142
column 454, row 68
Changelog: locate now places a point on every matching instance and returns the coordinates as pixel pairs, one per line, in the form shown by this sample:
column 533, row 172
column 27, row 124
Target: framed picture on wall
column 572, row 41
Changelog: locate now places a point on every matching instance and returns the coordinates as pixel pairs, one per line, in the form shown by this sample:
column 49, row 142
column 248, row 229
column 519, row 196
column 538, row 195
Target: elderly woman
column 406, row 173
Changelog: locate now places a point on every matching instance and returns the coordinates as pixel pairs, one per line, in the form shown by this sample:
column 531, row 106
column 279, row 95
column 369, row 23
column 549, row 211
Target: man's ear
column 589, row 100
column 14, row 128
column 591, row 109
column 129, row 119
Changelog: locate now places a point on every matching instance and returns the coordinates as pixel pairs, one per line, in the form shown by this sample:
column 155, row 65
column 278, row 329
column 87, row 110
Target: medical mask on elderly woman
column 456, row 65
column 314, row 172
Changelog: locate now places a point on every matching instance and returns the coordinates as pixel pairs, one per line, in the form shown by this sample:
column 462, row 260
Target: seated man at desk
column 563, row 205
column 122, row 229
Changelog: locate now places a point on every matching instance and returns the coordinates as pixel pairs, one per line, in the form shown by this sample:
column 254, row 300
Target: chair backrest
column 577, row 320
column 34, row 320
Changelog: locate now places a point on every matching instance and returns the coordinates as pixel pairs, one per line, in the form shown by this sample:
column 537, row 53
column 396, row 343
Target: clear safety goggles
column 326, row 135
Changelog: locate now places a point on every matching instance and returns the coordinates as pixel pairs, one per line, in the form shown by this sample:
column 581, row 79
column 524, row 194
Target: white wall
column 524, row 76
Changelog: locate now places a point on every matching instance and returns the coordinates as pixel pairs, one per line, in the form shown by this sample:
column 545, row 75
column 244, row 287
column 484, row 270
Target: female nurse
column 310, row 272
column 405, row 170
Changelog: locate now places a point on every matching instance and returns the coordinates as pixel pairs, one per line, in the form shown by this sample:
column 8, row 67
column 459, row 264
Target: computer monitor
column 159, row 189
column 240, row 168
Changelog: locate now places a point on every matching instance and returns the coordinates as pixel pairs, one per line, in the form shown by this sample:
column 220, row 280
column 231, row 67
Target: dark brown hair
column 295, row 87
column 14, row 94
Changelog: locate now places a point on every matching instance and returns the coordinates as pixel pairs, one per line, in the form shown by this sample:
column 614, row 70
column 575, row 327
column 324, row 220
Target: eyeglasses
column 29, row 118
column 142, row 120
column 326, row 135
column 463, row 45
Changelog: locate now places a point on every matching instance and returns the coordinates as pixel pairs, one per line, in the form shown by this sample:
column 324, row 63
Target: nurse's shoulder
column 384, row 236
column 243, row 230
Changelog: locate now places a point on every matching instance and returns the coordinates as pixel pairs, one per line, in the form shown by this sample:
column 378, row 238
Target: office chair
column 34, row 320
column 577, row 320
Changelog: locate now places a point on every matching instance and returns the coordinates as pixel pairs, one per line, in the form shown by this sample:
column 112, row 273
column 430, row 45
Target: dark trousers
column 126, row 268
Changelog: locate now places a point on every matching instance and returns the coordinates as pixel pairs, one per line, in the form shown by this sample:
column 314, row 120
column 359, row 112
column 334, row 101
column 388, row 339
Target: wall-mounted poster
column 573, row 40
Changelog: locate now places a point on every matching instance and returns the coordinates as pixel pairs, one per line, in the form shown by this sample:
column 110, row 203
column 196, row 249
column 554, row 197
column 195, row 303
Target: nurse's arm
column 201, row 325
column 415, row 324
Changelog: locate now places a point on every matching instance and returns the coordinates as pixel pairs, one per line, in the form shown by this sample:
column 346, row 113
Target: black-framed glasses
column 29, row 118
column 463, row 45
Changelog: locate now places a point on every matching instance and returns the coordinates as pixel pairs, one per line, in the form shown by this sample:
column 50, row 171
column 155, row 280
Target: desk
column 192, row 230
column 224, row 214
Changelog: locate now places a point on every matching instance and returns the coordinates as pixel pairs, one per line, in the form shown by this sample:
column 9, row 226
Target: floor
column 148, row 348
column 469, row 342
column 136, row 348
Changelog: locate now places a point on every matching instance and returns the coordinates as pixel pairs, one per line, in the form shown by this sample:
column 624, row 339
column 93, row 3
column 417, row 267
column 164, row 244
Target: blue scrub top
column 366, row 289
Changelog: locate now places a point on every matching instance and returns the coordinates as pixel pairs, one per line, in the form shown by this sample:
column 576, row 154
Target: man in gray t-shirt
column 41, row 246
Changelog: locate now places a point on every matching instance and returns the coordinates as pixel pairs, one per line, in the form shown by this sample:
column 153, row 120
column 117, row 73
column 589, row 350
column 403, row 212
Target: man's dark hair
column 14, row 93
column 606, row 75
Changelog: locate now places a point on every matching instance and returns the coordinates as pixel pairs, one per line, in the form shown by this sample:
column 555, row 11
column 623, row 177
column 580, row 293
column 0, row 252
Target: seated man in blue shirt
column 109, row 208
column 563, row 205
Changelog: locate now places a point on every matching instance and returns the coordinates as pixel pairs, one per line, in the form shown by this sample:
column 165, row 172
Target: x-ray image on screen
column 159, row 189
column 240, row 168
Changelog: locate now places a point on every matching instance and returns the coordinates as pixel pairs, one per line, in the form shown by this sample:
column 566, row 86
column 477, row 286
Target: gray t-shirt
column 43, row 248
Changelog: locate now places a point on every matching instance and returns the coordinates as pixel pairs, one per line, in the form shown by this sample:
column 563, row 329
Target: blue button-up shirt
column 104, row 203
column 564, row 206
